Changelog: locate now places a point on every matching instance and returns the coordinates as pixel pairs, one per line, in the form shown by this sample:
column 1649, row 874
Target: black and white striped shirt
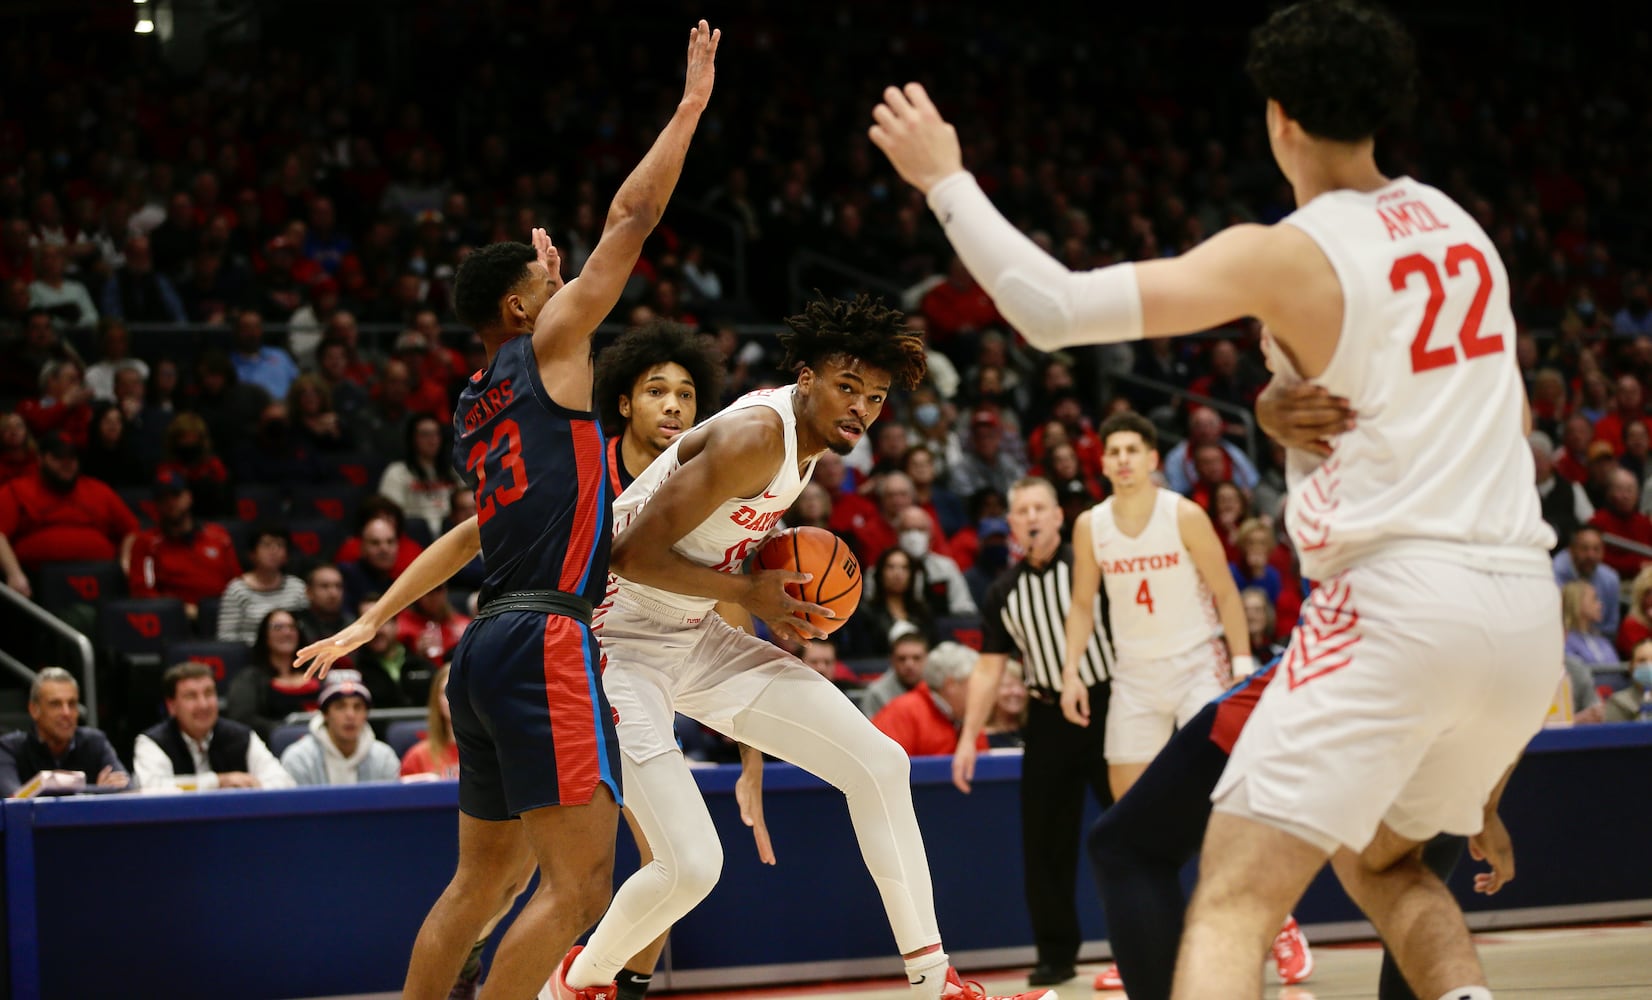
column 1025, row 616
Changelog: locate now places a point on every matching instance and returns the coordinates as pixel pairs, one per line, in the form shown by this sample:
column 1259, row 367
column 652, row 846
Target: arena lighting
column 144, row 27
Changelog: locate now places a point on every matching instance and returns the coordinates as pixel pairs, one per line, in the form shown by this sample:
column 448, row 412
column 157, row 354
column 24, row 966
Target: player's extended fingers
column 879, row 137
column 896, row 99
column 921, row 103
column 887, row 116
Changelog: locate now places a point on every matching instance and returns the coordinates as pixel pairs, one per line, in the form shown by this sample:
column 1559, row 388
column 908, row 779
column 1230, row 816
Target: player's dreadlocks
column 657, row 343
column 862, row 328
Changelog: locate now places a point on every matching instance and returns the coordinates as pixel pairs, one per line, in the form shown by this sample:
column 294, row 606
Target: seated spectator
column 431, row 625
column 1254, row 569
column 19, row 455
column 63, row 406
column 186, row 450
column 890, row 602
column 316, row 425
column 942, row 504
column 812, row 508
column 1637, row 623
column 992, row 558
column 1229, row 509
column 1580, row 614
column 57, row 741
column 64, row 298
column 137, row 293
column 22, row 358
column 1628, row 399
column 1565, row 505
column 376, row 508
column 437, row 754
column 966, row 544
column 396, row 674
column 984, row 461
column 1621, row 516
column 1261, row 622
column 1061, row 466
column 271, row 686
column 194, row 748
column 55, row 514
column 1009, row 709
column 820, row 655
column 940, row 582
column 473, row 574
column 326, row 613
column 340, row 748
column 111, row 454
column 1582, row 560
column 231, row 408
column 181, row 557
column 257, row 363
column 906, row 670
column 925, row 720
column 349, row 388
column 264, row 587
column 421, row 482
column 1204, row 427
column 275, row 456
column 375, row 569
column 1625, row 705
column 1067, row 413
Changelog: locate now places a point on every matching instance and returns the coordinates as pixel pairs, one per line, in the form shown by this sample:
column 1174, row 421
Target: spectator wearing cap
column 1621, row 517
column 137, row 293
column 1204, row 427
column 63, row 405
column 925, row 720
column 984, row 461
column 1565, row 505
column 1584, row 559
column 57, row 741
column 195, row 748
column 1628, row 406
column 340, row 748
column 264, row 587
column 256, row 363
column 55, row 514
column 181, row 557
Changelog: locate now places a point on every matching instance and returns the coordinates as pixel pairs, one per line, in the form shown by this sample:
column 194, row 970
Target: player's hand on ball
column 323, row 653
column 767, row 598
column 1075, row 702
column 921, row 145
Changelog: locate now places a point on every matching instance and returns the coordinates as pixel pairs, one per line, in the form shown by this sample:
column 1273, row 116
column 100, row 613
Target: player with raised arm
column 539, row 777
column 686, row 528
column 1399, row 712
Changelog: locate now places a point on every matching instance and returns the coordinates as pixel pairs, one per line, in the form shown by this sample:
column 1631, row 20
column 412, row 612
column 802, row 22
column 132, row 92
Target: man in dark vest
column 194, row 748
column 57, row 741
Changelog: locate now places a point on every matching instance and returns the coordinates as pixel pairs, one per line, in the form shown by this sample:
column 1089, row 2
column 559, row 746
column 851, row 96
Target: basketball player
column 686, row 527
column 1163, row 566
column 1400, row 711
column 536, row 738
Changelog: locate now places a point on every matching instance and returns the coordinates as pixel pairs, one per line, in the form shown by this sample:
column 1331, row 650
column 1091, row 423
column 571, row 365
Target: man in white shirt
column 195, row 749
column 67, row 300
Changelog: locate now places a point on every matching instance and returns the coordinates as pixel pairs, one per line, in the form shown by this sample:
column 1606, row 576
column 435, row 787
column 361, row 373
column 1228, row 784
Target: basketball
column 835, row 571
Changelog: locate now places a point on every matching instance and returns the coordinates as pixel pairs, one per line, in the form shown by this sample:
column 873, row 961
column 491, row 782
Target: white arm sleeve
column 1051, row 306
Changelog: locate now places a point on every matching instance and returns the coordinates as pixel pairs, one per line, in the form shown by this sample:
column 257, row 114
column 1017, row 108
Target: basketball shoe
column 560, row 990
column 1291, row 955
column 1109, row 979
column 962, row 989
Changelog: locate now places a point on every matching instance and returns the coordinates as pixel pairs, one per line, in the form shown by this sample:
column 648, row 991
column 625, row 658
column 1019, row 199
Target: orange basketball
column 835, row 571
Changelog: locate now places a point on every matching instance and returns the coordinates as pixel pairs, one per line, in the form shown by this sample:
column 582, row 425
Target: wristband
column 1243, row 666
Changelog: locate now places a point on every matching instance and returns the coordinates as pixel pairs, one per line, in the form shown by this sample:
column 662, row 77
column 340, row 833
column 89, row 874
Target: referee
column 1024, row 616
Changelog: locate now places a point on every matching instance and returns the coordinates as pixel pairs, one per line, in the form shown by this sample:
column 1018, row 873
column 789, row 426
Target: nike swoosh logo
column 770, row 496
column 920, row 980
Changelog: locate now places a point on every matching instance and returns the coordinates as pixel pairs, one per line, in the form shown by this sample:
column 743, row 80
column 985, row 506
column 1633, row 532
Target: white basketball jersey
column 1157, row 603
column 735, row 529
column 1437, row 461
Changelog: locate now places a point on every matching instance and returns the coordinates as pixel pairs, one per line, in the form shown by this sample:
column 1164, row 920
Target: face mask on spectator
column 915, row 543
column 927, row 414
column 1643, row 675
column 993, row 557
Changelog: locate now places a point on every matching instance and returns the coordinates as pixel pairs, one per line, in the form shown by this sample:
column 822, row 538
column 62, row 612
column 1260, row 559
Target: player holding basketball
column 686, row 527
column 1400, row 710
column 536, row 738
column 1163, row 567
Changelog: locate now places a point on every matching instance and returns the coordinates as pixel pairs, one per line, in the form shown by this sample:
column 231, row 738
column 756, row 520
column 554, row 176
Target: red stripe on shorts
column 573, row 717
column 590, row 466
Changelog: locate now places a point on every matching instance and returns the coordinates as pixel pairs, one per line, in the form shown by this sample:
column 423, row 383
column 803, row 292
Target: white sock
column 926, row 974
column 1467, row 993
column 582, row 972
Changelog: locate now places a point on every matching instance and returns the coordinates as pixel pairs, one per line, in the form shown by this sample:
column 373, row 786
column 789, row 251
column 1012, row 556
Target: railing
column 82, row 647
column 1239, row 414
column 1626, row 544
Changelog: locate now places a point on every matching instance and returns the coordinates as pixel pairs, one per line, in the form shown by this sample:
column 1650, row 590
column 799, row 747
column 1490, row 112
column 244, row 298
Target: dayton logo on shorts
column 1323, row 641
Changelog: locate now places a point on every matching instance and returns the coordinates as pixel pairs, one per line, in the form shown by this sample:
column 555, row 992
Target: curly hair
column 862, row 328
column 1341, row 68
column 657, row 343
column 486, row 276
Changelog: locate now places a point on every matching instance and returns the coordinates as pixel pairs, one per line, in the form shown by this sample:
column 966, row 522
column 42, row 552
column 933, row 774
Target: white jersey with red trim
column 1437, row 462
column 1157, row 604
column 737, row 527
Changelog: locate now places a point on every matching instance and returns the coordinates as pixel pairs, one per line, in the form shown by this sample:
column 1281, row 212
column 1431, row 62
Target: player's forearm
column 1235, row 630
column 1050, row 305
column 641, row 200
column 1080, row 625
column 983, row 694
column 652, row 564
column 446, row 556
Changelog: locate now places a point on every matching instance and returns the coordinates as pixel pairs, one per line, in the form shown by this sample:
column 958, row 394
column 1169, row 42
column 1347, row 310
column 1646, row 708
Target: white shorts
column 659, row 663
column 1151, row 698
column 1409, row 687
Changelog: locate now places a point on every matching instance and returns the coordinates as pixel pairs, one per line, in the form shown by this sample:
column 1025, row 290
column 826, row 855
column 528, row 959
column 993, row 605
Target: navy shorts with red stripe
column 533, row 726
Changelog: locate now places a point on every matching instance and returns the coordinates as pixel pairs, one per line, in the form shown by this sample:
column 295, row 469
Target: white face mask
column 915, row 543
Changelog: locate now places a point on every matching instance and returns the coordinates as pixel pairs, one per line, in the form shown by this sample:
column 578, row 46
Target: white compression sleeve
column 1051, row 306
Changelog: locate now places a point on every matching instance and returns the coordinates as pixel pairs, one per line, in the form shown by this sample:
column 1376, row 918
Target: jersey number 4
column 506, row 446
column 1144, row 597
column 1471, row 343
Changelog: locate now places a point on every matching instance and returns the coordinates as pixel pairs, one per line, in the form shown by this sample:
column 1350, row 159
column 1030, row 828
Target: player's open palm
column 920, row 144
column 702, row 62
column 767, row 598
column 1075, row 702
column 323, row 653
column 1493, row 846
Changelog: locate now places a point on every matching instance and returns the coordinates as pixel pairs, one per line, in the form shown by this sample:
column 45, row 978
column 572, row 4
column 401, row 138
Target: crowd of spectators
column 225, row 363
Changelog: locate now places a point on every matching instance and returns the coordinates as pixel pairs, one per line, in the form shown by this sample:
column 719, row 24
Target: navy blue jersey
column 540, row 476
